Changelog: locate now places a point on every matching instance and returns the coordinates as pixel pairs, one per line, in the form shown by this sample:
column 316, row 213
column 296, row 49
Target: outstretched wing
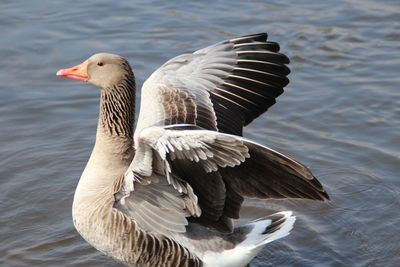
column 205, row 175
column 219, row 89
column 222, row 87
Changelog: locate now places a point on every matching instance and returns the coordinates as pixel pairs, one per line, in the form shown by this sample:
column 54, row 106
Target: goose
column 166, row 193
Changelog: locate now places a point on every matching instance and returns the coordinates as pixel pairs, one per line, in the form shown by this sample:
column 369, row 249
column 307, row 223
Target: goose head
column 103, row 70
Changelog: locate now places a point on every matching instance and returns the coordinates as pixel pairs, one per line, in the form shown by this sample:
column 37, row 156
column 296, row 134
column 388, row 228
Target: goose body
column 167, row 194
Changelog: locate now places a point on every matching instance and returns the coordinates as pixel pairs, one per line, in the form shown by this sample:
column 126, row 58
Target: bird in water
column 166, row 193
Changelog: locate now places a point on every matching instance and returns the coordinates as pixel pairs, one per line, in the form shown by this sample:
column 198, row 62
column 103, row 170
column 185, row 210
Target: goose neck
column 117, row 110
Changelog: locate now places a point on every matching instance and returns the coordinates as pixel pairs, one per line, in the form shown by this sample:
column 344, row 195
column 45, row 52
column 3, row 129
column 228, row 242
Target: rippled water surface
column 339, row 115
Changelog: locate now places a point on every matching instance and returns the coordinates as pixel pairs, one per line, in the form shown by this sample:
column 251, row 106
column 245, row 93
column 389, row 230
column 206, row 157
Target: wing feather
column 237, row 79
column 158, row 206
column 206, row 174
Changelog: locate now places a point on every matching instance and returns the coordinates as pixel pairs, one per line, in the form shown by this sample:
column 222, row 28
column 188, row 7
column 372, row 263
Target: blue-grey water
column 340, row 115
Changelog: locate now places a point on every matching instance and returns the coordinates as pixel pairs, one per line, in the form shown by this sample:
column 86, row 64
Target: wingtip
column 327, row 197
column 263, row 36
column 323, row 195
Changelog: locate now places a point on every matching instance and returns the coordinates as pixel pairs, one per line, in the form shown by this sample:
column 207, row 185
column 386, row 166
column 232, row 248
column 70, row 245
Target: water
column 339, row 115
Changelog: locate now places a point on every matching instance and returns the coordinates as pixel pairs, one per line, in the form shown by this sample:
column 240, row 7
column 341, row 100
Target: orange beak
column 79, row 72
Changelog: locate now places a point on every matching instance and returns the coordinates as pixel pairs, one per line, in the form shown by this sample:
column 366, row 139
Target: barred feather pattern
column 117, row 235
column 117, row 109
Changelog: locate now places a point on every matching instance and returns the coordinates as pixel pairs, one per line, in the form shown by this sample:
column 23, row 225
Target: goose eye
column 100, row 63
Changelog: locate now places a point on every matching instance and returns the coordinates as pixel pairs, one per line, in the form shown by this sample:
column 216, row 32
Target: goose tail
column 258, row 233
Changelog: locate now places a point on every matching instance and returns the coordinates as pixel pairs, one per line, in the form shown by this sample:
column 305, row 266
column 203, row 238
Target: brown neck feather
column 117, row 108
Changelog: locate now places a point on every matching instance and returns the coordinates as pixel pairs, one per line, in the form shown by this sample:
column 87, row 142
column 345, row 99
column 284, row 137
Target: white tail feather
column 264, row 231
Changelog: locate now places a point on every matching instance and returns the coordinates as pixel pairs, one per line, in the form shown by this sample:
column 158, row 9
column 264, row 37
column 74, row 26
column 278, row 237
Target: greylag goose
column 167, row 194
